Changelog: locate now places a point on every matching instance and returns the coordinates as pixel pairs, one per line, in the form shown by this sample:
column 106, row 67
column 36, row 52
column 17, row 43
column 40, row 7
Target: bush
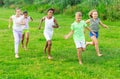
column 108, row 9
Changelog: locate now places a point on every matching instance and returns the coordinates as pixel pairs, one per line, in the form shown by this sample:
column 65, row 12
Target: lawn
column 33, row 64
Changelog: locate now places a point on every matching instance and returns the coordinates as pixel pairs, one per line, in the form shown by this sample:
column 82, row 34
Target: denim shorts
column 93, row 35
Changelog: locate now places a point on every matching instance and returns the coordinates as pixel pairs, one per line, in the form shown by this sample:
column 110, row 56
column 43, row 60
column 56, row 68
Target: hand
column 107, row 27
column 65, row 37
column 8, row 26
column 93, row 33
column 53, row 26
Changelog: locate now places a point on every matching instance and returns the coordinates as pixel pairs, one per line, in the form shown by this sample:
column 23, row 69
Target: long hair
column 91, row 12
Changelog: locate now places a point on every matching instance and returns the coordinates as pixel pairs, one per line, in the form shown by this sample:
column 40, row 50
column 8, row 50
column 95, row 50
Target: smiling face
column 95, row 14
column 25, row 15
column 18, row 12
column 50, row 13
column 78, row 17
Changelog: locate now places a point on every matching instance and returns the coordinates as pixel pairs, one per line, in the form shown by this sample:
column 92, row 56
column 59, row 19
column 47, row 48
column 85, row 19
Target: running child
column 18, row 24
column 50, row 23
column 77, row 29
column 25, row 33
column 94, row 22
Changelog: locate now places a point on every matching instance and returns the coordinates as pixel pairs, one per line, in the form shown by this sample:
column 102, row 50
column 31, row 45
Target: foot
column 80, row 62
column 49, row 57
column 100, row 55
column 16, row 56
column 23, row 46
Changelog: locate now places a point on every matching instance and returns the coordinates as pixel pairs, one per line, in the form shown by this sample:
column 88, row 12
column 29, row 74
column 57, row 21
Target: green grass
column 34, row 65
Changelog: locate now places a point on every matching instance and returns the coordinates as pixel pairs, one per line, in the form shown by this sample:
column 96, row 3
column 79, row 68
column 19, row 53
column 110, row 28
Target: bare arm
column 90, row 31
column 56, row 24
column 31, row 18
column 10, row 21
column 41, row 22
column 87, row 21
column 103, row 25
column 69, row 34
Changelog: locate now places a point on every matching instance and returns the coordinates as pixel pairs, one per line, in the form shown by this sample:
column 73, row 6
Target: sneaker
column 16, row 56
column 100, row 55
column 49, row 57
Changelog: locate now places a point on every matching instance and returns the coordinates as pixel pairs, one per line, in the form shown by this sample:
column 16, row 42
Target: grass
column 34, row 65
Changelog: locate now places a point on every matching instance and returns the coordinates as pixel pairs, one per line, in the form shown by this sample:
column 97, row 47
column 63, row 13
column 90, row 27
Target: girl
column 26, row 29
column 17, row 29
column 77, row 29
column 50, row 23
column 94, row 25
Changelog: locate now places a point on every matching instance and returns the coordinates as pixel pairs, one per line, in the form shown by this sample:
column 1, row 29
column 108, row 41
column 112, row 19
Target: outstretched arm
column 103, row 25
column 31, row 18
column 10, row 21
column 69, row 34
column 41, row 22
column 87, row 21
column 90, row 31
column 56, row 24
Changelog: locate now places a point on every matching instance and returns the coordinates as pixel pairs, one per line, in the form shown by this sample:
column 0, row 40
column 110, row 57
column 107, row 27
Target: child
column 50, row 23
column 17, row 29
column 77, row 29
column 26, row 29
column 94, row 25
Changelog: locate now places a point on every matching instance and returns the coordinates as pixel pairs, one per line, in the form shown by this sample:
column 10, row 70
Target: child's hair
column 17, row 9
column 51, row 10
column 91, row 12
column 78, row 13
column 25, row 12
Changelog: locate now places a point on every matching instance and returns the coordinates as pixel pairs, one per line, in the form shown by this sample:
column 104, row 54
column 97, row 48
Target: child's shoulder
column 13, row 16
column 73, row 23
column 83, row 21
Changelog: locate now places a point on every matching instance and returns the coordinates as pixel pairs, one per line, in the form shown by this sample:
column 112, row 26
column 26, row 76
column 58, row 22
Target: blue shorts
column 93, row 35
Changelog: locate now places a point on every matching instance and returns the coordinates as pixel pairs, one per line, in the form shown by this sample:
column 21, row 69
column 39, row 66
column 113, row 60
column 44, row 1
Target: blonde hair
column 91, row 12
column 78, row 13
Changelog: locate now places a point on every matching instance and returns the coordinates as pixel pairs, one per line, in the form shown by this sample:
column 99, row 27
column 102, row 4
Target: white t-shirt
column 17, row 22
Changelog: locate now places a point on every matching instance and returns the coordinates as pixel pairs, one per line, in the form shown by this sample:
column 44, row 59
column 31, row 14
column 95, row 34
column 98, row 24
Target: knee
column 96, row 43
column 27, row 38
column 83, row 49
column 17, row 41
column 49, row 43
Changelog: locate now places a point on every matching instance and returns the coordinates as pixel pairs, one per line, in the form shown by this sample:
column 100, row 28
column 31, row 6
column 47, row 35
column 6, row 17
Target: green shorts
column 25, row 31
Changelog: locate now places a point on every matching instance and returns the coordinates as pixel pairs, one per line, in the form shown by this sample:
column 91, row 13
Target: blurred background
column 108, row 9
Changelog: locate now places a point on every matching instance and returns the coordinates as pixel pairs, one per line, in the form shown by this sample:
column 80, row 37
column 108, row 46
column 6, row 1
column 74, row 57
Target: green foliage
column 69, row 7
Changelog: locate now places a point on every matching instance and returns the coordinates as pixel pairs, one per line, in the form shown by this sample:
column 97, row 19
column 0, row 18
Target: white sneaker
column 16, row 56
column 49, row 57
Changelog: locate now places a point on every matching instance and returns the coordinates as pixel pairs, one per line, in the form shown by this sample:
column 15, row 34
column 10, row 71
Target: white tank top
column 16, row 21
column 49, row 23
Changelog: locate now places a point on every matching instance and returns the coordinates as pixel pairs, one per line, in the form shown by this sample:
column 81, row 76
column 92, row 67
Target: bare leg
column 95, row 43
column 49, row 49
column 79, row 55
column 23, row 40
column 46, row 46
column 89, row 43
column 27, row 40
